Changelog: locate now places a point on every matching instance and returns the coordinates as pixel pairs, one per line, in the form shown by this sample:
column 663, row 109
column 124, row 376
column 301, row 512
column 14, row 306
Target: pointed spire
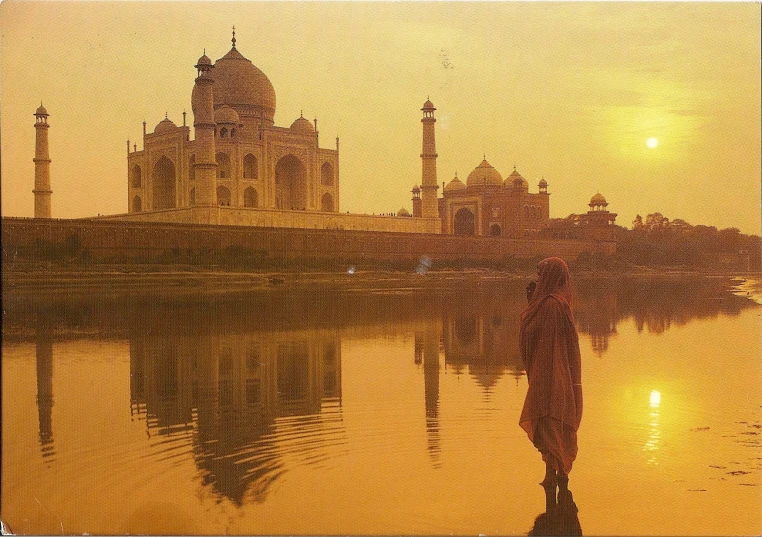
column 233, row 37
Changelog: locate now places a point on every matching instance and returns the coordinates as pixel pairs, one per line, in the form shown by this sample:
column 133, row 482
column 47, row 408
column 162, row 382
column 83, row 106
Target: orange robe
column 553, row 405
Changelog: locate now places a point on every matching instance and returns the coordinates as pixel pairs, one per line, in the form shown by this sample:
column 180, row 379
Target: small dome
column 428, row 105
column 403, row 212
column 41, row 111
column 416, row 188
column 164, row 126
column 598, row 200
column 454, row 185
column 203, row 60
column 225, row 114
column 515, row 179
column 302, row 126
column 484, row 175
column 543, row 183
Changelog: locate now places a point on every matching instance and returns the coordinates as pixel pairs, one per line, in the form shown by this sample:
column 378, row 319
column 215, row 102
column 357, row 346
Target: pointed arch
column 223, row 196
column 137, row 177
column 326, row 203
column 290, row 183
column 250, row 197
column 223, row 166
column 464, row 222
column 326, row 174
column 250, row 167
column 495, row 230
column 164, row 184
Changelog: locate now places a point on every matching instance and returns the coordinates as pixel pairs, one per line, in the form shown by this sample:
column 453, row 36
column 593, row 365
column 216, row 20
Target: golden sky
column 566, row 91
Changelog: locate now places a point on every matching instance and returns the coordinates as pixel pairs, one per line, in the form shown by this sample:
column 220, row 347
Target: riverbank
column 166, row 279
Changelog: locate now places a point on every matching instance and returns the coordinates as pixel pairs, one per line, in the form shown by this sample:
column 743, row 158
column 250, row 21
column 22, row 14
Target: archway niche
column 465, row 222
column 250, row 167
column 326, row 203
column 164, row 184
column 250, row 197
column 223, row 166
column 290, row 183
column 192, row 197
column 223, row 196
column 137, row 177
column 326, row 174
column 192, row 168
column 495, row 231
column 137, row 204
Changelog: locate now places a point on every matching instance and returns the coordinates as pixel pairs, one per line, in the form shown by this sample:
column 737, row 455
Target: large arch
column 290, row 183
column 223, row 196
column 250, row 197
column 223, row 166
column 464, row 222
column 137, row 177
column 326, row 174
column 250, row 167
column 326, row 203
column 137, row 204
column 164, row 184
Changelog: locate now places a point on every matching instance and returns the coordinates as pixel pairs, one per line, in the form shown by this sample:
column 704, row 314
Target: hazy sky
column 568, row 91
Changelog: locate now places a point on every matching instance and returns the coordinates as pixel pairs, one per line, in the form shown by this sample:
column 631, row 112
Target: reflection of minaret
column 430, row 346
column 45, row 386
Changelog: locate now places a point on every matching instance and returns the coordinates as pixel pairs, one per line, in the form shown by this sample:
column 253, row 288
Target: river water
column 375, row 410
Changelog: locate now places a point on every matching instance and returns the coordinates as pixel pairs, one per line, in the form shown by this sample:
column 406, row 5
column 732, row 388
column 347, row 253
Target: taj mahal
column 241, row 169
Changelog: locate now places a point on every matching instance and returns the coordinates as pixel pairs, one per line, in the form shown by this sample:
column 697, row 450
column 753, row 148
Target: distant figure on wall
column 550, row 350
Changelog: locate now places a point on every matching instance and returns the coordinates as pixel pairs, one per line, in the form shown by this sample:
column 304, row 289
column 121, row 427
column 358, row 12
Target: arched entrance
column 495, row 231
column 326, row 203
column 223, row 196
column 326, row 174
column 249, row 197
column 464, row 222
column 290, row 184
column 164, row 184
column 137, row 177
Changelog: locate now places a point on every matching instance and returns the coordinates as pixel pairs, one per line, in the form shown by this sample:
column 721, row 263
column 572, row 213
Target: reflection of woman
column 550, row 350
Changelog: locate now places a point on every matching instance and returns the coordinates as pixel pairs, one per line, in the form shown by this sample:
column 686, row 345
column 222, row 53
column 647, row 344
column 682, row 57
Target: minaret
column 202, row 102
column 429, row 186
column 42, row 192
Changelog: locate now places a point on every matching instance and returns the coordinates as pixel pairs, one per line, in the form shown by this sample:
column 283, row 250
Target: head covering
column 553, row 280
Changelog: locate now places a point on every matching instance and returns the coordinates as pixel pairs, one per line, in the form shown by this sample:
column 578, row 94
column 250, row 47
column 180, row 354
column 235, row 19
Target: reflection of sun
column 652, row 143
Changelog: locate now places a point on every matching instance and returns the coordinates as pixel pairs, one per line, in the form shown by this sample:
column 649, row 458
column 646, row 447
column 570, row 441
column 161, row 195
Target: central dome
column 241, row 85
column 484, row 175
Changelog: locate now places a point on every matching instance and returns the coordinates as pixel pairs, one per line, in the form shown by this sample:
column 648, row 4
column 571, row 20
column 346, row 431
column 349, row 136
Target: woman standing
column 550, row 351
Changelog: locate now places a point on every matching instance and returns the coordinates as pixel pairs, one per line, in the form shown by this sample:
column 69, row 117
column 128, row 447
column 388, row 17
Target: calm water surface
column 375, row 411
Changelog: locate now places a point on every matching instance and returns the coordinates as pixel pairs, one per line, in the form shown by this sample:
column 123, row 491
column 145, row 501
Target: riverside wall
column 111, row 240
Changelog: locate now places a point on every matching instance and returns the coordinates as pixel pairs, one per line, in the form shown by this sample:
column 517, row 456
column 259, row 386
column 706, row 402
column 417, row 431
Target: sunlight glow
column 655, row 399
column 652, row 143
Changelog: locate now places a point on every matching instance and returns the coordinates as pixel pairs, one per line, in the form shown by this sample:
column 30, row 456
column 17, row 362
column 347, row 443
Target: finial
column 484, row 156
column 204, row 51
column 301, row 113
column 233, row 36
column 165, row 115
column 514, row 167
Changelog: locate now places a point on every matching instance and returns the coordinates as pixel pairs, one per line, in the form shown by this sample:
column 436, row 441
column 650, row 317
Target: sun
column 652, row 143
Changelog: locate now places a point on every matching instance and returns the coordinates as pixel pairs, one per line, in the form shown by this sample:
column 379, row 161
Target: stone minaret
column 429, row 186
column 202, row 102
column 42, row 192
